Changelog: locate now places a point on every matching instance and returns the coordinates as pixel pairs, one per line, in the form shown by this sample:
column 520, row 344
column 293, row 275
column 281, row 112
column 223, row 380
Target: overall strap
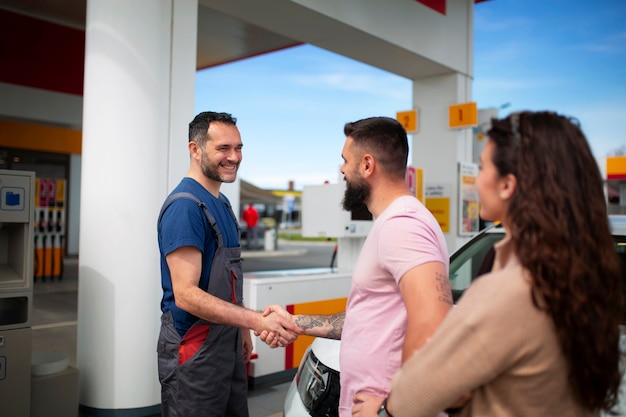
column 232, row 213
column 217, row 233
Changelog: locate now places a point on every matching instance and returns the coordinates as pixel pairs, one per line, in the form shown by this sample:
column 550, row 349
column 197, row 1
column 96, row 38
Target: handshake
column 278, row 327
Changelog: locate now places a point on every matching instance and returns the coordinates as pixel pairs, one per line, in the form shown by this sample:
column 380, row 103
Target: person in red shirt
column 251, row 217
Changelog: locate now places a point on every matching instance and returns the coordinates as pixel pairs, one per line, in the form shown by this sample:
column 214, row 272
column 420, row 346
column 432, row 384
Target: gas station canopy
column 225, row 33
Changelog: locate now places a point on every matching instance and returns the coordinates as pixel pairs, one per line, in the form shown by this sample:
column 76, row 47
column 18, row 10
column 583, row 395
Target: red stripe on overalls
column 193, row 340
column 233, row 295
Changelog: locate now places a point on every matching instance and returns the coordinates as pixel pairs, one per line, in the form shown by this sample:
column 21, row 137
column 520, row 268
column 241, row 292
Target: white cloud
column 375, row 84
column 489, row 24
column 612, row 44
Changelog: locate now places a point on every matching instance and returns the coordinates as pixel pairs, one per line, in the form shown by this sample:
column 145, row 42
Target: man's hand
column 280, row 329
column 279, row 339
column 366, row 405
column 246, row 342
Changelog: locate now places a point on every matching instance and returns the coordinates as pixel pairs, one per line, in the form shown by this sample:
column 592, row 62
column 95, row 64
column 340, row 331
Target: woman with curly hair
column 539, row 335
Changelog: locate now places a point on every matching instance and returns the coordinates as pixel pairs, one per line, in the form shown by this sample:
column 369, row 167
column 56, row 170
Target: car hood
column 327, row 351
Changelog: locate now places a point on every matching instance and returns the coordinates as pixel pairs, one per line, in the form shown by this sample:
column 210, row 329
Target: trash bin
column 270, row 239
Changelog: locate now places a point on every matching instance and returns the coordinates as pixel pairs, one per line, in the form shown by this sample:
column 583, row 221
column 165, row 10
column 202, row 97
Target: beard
column 211, row 171
column 356, row 194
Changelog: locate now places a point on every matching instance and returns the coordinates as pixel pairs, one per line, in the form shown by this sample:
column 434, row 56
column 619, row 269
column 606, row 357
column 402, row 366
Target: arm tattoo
column 443, row 286
column 328, row 326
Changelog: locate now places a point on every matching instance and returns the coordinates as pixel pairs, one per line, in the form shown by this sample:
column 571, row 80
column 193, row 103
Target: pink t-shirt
column 403, row 237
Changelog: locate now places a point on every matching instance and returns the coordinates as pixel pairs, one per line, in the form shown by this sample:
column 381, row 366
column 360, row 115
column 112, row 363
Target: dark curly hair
column 199, row 126
column 557, row 220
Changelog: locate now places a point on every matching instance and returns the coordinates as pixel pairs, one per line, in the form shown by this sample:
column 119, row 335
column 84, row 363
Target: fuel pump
column 49, row 229
column 16, row 289
column 40, row 239
column 60, row 232
column 59, row 228
column 50, row 232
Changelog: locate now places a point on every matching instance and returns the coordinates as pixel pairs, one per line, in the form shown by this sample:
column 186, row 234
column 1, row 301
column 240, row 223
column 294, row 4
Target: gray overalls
column 212, row 381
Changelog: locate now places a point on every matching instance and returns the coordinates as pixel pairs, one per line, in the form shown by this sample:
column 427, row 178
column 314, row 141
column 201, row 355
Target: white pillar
column 140, row 62
column 437, row 149
column 73, row 207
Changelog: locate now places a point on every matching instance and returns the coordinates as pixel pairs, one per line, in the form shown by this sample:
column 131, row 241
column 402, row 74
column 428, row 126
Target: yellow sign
column 616, row 167
column 463, row 115
column 408, row 119
column 440, row 208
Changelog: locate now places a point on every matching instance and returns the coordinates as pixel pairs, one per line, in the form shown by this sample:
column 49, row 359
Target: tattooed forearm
column 443, row 287
column 328, row 326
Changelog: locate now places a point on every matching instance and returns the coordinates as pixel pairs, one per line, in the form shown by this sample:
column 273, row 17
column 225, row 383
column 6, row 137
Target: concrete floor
column 54, row 323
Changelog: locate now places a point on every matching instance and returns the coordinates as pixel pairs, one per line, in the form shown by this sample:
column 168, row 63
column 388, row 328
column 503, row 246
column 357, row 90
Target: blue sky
column 562, row 55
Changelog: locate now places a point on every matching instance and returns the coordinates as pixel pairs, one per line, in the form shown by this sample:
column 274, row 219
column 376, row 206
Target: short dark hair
column 385, row 138
column 199, row 126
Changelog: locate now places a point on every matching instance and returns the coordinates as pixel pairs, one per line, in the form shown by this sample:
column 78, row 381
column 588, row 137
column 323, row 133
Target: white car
column 314, row 391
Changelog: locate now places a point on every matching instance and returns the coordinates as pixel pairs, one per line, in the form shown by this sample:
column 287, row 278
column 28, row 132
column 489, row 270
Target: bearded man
column 400, row 291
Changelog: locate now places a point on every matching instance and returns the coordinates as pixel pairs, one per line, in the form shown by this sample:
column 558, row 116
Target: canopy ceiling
column 221, row 37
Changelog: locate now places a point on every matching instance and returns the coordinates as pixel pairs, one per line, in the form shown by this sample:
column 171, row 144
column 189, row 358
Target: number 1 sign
column 463, row 115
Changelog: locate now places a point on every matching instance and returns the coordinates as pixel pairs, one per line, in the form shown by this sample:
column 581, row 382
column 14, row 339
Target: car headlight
column 318, row 386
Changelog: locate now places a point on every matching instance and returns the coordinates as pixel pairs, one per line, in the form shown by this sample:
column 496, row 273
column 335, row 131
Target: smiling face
column 221, row 156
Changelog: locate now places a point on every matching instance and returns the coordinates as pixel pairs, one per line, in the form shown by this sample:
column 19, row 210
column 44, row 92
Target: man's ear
column 508, row 186
column 194, row 149
column 367, row 164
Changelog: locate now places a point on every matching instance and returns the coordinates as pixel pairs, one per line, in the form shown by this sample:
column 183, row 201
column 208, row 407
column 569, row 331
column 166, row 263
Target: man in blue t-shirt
column 205, row 340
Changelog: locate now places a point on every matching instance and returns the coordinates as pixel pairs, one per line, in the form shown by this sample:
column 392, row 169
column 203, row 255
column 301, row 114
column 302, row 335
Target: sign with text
column 408, row 119
column 463, row 115
column 437, row 198
column 468, row 199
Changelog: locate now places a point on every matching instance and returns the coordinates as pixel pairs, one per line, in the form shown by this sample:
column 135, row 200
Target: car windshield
column 467, row 262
